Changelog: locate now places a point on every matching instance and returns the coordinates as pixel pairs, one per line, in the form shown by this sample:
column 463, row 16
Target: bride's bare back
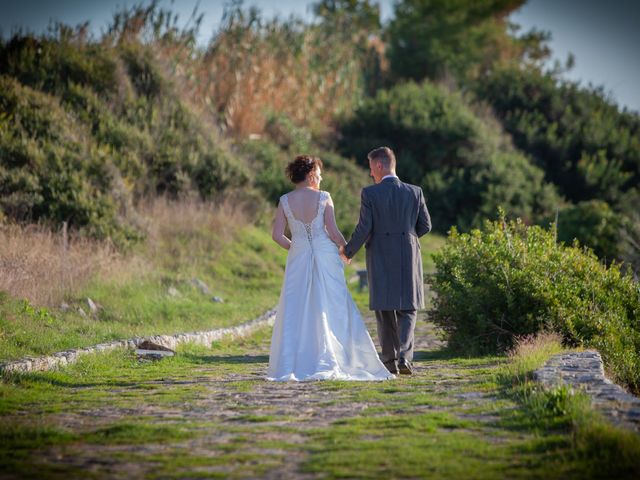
column 304, row 203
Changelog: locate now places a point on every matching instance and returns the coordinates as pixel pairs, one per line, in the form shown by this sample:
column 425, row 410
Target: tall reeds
column 252, row 68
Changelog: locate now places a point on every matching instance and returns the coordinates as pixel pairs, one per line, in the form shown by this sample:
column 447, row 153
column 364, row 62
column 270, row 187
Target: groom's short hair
column 383, row 155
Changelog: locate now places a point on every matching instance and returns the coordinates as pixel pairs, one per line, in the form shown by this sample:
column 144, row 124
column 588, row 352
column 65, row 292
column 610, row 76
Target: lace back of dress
column 294, row 222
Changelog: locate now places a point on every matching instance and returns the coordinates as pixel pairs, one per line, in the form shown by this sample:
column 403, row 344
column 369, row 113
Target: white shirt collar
column 389, row 176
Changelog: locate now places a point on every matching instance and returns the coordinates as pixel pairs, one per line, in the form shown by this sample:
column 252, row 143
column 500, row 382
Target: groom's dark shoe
column 404, row 366
column 392, row 367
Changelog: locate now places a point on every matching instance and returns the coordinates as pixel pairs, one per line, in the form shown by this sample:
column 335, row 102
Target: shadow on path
column 222, row 359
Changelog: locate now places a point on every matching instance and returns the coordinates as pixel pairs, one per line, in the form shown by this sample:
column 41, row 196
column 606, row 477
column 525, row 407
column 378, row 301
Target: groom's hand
column 344, row 257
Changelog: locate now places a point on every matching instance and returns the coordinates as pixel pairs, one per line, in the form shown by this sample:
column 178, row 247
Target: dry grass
column 529, row 353
column 35, row 265
column 252, row 68
column 181, row 232
column 530, row 345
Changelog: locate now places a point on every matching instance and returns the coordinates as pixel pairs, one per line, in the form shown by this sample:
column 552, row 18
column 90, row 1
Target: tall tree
column 433, row 38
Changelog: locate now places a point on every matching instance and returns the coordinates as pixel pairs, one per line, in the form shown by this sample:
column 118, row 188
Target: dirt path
column 209, row 413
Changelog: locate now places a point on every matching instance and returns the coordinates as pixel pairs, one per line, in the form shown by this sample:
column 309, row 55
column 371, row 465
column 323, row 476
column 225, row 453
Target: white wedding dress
column 318, row 332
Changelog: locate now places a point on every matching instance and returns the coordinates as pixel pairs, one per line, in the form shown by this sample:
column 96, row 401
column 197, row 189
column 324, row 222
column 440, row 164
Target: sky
column 604, row 36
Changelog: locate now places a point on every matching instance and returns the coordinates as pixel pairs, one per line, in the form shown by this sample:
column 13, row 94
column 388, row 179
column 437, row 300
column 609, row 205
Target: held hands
column 343, row 256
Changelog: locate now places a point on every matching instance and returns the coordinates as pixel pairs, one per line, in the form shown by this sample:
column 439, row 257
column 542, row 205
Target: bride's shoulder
column 283, row 198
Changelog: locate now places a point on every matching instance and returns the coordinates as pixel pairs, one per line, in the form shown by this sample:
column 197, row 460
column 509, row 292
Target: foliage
column 86, row 128
column 253, row 67
column 509, row 280
column 594, row 224
column 466, row 166
column 435, row 38
column 354, row 15
column 587, row 147
column 51, row 169
column 583, row 142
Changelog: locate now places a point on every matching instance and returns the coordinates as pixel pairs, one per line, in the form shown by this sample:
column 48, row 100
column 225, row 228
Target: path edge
column 584, row 370
column 67, row 357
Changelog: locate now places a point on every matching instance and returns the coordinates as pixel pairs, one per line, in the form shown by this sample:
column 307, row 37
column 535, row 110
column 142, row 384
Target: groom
column 393, row 215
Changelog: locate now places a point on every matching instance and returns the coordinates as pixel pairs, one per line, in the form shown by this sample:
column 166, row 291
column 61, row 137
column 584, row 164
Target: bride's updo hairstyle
column 300, row 167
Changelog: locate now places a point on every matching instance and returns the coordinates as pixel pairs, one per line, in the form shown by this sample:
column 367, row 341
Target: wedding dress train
column 318, row 333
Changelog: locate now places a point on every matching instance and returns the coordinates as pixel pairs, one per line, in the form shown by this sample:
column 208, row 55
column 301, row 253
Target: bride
column 318, row 333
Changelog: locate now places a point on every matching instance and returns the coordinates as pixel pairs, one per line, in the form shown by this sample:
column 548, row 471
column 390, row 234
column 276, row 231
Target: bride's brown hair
column 299, row 168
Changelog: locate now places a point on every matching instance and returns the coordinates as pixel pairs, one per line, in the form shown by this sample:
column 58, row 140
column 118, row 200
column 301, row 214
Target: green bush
column 594, row 224
column 509, row 279
column 586, row 146
column 465, row 165
column 51, row 170
column 50, row 64
column 88, row 127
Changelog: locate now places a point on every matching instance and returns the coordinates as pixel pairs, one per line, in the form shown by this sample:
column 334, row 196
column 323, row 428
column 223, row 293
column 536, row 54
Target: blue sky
column 603, row 36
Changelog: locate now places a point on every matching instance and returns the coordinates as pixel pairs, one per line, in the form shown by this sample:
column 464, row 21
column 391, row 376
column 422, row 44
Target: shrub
column 50, row 168
column 585, row 145
column 509, row 280
column 466, row 166
column 594, row 224
column 88, row 127
column 49, row 64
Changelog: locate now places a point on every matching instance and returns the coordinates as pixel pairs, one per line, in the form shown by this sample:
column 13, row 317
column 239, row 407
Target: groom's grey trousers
column 395, row 333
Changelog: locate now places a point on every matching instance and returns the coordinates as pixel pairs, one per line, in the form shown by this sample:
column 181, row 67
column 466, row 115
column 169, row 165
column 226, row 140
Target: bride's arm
column 277, row 231
column 330, row 225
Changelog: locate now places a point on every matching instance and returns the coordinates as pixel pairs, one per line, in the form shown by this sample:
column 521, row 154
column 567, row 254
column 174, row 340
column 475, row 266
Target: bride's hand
column 344, row 258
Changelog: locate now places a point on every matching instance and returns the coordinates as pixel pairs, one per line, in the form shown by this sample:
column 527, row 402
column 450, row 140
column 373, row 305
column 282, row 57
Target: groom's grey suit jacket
column 393, row 215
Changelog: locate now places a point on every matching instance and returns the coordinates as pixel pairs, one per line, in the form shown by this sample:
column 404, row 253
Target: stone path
column 238, row 425
column 229, row 405
column 585, row 370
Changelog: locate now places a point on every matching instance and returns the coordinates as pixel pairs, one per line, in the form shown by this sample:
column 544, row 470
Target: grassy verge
column 245, row 271
column 600, row 448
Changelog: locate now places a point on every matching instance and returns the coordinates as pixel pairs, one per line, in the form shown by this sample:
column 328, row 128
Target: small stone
column 152, row 351
column 92, row 306
column 147, row 345
column 152, row 354
column 200, row 285
column 64, row 307
column 217, row 299
column 173, row 292
column 469, row 395
column 82, row 312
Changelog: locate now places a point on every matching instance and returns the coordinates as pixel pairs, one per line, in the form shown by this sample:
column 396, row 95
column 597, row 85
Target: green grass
column 246, row 273
column 207, row 412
